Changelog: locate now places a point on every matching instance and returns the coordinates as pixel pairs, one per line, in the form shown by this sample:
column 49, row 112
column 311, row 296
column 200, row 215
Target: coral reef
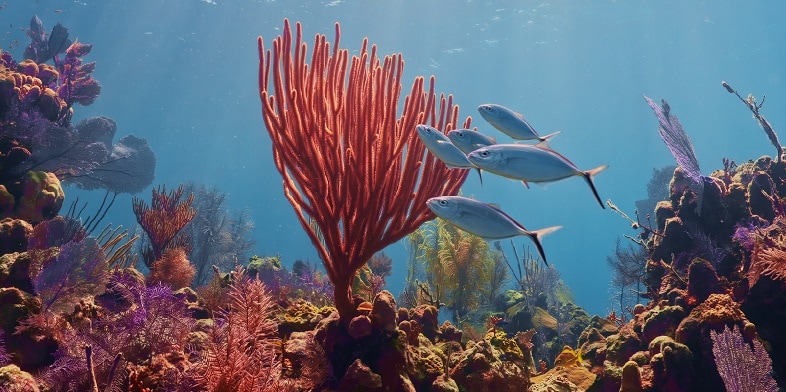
column 709, row 258
column 714, row 262
column 36, row 134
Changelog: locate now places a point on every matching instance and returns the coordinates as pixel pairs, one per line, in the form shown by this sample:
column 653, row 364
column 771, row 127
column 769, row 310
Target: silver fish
column 439, row 145
column 510, row 122
column 468, row 140
column 531, row 163
column 484, row 220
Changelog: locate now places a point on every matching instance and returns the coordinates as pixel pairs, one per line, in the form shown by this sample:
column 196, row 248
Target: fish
column 569, row 357
column 511, row 123
column 484, row 220
column 468, row 140
column 439, row 145
column 531, row 163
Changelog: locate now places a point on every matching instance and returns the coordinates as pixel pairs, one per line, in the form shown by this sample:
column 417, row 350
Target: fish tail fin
column 549, row 136
column 544, row 140
column 537, row 235
column 588, row 175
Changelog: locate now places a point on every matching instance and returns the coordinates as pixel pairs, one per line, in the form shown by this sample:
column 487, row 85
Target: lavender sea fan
column 740, row 367
column 676, row 140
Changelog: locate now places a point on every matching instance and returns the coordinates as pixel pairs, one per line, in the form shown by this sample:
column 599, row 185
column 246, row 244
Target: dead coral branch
column 750, row 102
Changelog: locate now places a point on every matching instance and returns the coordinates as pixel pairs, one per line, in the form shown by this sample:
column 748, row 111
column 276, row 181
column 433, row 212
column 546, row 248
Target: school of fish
column 537, row 163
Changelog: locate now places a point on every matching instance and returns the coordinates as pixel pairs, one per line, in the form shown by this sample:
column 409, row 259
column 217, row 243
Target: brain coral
column 42, row 197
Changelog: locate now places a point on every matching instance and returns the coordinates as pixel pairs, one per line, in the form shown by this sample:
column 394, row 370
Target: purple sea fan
column 740, row 367
column 676, row 140
column 84, row 155
column 78, row 270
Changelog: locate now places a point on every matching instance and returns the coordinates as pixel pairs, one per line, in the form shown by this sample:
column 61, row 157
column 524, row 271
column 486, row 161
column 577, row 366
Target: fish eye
column 483, row 153
column 460, row 134
column 443, row 202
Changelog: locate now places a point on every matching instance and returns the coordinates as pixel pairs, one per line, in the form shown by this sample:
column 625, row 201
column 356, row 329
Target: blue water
column 183, row 75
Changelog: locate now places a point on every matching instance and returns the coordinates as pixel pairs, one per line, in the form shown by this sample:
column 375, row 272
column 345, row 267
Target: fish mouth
column 474, row 158
column 433, row 204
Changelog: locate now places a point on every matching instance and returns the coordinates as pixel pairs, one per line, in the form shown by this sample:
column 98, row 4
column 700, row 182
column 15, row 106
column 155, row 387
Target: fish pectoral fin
column 526, row 184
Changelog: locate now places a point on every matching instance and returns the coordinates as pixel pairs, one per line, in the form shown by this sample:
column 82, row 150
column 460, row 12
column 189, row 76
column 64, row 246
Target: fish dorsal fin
column 505, row 214
column 520, row 116
column 549, row 149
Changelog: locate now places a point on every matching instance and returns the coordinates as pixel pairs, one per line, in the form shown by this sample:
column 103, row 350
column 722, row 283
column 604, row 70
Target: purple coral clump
column 139, row 321
column 76, row 82
column 745, row 235
column 742, row 367
column 5, row 358
column 310, row 283
column 148, row 315
column 45, row 46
